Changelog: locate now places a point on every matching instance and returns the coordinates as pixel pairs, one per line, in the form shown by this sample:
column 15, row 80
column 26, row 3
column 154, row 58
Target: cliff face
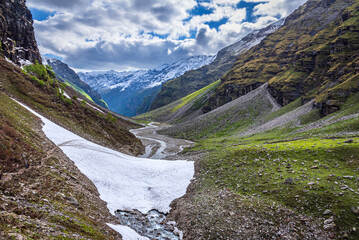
column 314, row 55
column 17, row 36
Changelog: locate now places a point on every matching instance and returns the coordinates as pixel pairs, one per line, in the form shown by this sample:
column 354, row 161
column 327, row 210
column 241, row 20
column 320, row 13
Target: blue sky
column 140, row 34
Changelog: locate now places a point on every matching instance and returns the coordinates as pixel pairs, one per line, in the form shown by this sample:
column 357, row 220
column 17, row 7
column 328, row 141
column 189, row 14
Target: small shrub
column 40, row 82
column 110, row 118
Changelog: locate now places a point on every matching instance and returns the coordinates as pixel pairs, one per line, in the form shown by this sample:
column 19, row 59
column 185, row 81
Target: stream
column 159, row 146
column 137, row 190
column 153, row 224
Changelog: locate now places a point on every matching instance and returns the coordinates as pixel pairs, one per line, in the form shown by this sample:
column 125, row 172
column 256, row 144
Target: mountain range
column 196, row 79
column 272, row 120
column 131, row 93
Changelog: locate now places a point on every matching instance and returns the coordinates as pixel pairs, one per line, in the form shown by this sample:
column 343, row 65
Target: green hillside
column 314, row 55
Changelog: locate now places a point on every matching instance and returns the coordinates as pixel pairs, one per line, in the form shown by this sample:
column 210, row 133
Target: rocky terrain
column 17, row 33
column 43, row 195
column 277, row 137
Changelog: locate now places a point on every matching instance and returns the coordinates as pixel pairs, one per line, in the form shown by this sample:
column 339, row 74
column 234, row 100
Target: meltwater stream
column 151, row 225
column 126, row 183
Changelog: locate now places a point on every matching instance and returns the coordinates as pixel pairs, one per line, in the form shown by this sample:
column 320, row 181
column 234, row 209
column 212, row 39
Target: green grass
column 103, row 101
column 258, row 166
column 78, row 89
column 193, row 96
column 323, row 169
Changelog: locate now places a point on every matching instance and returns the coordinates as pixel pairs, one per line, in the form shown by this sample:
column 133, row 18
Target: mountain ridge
column 196, row 79
column 65, row 74
column 130, row 93
column 300, row 59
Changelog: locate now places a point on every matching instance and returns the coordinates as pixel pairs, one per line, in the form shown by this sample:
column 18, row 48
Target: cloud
column 133, row 34
column 274, row 8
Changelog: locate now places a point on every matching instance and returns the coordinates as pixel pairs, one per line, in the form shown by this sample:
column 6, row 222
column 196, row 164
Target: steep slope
column 65, row 74
column 17, row 40
column 314, row 55
column 199, row 78
column 264, row 166
column 181, row 110
column 130, row 93
column 43, row 195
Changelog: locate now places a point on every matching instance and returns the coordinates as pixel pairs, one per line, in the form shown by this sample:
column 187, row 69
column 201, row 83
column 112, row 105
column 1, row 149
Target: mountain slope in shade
column 130, row 93
column 196, row 79
column 67, row 75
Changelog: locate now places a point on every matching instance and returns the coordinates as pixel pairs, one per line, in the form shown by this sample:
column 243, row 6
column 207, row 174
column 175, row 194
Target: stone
column 329, row 221
column 311, row 183
column 329, row 226
column 349, row 141
column 289, row 181
column 355, row 210
column 314, row 167
column 73, row 201
column 326, row 212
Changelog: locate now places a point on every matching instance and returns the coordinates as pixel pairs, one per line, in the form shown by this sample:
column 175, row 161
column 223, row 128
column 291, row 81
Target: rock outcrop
column 17, row 36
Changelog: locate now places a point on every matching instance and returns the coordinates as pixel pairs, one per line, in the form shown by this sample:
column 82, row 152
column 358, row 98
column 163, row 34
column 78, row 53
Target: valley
column 223, row 120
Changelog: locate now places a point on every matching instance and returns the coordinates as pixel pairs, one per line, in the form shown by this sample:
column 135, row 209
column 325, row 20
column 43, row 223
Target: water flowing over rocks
column 152, row 225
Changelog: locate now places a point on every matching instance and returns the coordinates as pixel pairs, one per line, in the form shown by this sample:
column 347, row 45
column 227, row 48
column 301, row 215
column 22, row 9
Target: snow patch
column 124, row 182
column 9, row 61
column 126, row 232
column 95, row 107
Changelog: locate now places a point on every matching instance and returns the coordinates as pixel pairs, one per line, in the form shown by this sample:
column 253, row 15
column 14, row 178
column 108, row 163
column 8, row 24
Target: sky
column 126, row 35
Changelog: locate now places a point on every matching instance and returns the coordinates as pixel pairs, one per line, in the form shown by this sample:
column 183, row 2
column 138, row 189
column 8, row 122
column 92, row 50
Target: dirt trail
column 159, row 146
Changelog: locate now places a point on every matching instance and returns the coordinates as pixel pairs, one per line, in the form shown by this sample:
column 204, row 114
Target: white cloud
column 276, row 7
column 127, row 34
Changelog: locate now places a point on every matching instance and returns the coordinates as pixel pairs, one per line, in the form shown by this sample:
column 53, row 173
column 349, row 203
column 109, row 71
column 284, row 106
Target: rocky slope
column 17, row 41
column 313, row 55
column 199, row 78
column 43, row 195
column 65, row 74
column 131, row 93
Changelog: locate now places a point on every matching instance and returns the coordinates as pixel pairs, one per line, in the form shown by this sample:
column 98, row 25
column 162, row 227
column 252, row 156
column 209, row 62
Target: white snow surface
column 127, row 233
column 124, row 182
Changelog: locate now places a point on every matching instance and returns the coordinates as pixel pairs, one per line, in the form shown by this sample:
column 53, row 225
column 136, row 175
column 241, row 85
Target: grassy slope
column 307, row 57
column 37, row 179
column 323, row 168
column 71, row 114
column 182, row 109
column 36, row 182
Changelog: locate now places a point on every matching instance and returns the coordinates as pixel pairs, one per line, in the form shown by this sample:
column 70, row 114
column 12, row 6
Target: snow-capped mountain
column 201, row 77
column 132, row 92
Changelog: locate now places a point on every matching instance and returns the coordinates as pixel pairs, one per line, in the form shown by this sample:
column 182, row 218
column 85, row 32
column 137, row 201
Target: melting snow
column 126, row 232
column 123, row 181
